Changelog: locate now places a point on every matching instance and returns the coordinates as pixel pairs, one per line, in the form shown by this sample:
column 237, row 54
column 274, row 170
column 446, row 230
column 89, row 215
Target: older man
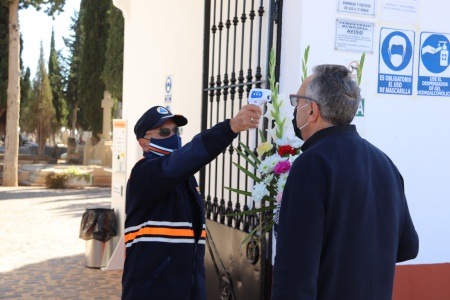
column 344, row 221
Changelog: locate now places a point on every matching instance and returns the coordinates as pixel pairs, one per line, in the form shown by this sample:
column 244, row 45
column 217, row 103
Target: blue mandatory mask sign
column 395, row 69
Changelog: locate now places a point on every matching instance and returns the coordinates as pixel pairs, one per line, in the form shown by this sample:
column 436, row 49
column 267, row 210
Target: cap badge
column 162, row 110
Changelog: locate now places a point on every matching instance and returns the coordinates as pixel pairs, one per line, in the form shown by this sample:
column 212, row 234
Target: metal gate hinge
column 252, row 252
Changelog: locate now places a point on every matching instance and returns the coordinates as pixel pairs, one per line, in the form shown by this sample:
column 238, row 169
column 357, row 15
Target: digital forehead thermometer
column 259, row 96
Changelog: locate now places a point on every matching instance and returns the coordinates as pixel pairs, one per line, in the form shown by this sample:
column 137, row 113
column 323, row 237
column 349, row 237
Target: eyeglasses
column 294, row 99
column 164, row 132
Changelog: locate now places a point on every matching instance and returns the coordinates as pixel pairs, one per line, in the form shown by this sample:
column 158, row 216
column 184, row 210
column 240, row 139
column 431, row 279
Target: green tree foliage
column 25, row 98
column 113, row 72
column 4, row 45
column 57, row 84
column 94, row 27
column 50, row 7
column 3, row 66
column 41, row 111
column 73, row 43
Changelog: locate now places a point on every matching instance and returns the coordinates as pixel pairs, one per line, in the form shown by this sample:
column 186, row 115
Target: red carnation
column 286, row 150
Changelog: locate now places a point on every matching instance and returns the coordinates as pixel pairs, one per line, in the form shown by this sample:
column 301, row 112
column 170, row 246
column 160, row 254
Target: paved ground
column 41, row 255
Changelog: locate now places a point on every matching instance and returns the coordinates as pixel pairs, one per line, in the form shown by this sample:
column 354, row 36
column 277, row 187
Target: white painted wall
column 412, row 130
column 166, row 38
column 162, row 38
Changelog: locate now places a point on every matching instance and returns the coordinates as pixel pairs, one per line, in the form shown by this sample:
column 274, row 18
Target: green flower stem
column 360, row 68
column 252, row 211
column 274, row 87
column 249, row 152
column 305, row 63
column 241, row 192
column 247, row 172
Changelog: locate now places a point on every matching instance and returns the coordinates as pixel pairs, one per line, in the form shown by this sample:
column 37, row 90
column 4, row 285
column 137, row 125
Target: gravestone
column 101, row 153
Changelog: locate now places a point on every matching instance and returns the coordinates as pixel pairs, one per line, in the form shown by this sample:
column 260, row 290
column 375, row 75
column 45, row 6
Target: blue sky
column 36, row 26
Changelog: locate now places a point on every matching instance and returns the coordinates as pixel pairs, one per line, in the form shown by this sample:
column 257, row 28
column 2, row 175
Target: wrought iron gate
column 238, row 38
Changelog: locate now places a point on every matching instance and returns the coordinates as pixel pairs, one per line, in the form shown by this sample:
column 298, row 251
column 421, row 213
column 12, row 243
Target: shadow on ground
column 60, row 278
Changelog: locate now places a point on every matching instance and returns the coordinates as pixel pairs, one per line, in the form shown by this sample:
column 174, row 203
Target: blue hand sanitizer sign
column 434, row 71
column 396, row 59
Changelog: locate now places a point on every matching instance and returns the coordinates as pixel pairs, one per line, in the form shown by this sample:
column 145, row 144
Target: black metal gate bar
column 237, row 220
column 258, row 74
column 208, row 204
column 247, row 218
column 223, row 210
column 241, row 79
column 225, row 93
column 218, row 93
column 235, row 85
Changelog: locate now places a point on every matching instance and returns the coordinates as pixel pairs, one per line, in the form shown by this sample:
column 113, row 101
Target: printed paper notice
column 360, row 7
column 355, row 36
column 119, row 145
column 404, row 11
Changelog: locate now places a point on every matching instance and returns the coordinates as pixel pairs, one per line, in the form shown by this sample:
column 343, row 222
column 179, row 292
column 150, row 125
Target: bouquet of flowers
column 272, row 160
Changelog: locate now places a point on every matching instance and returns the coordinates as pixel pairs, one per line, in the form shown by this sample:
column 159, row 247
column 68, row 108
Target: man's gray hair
column 336, row 92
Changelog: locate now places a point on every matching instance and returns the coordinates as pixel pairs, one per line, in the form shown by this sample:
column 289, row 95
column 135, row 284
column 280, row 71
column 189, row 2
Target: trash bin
column 98, row 226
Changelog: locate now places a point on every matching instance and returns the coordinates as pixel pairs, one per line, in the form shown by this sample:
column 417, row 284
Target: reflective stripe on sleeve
column 166, row 232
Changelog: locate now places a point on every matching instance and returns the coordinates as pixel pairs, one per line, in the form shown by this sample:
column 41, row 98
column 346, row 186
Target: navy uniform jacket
column 165, row 223
column 344, row 222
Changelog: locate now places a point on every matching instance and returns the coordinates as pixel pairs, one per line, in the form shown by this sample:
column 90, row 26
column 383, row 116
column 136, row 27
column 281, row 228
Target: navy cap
column 155, row 117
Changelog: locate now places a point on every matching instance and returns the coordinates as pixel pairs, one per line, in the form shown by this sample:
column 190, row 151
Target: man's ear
column 314, row 114
column 142, row 143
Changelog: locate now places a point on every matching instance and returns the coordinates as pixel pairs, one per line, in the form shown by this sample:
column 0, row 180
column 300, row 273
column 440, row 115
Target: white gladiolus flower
column 272, row 132
column 259, row 191
column 282, row 142
column 268, row 179
column 268, row 114
column 295, row 142
column 281, row 182
column 292, row 158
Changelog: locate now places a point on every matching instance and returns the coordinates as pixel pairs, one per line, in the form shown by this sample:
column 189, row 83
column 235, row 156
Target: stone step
column 38, row 178
column 29, row 183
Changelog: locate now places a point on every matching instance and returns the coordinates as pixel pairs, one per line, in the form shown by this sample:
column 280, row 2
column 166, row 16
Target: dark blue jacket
column 344, row 222
column 165, row 223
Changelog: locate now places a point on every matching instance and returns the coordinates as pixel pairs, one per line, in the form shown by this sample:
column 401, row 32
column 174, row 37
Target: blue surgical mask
column 166, row 146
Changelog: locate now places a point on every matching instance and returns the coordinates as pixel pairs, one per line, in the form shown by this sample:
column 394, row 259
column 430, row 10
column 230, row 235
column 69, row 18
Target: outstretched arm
column 248, row 117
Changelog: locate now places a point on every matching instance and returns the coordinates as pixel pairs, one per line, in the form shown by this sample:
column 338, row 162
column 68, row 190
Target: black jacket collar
column 338, row 129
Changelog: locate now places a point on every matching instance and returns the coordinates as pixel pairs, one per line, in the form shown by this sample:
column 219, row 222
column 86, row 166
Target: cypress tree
column 57, row 85
column 113, row 72
column 73, row 43
column 94, row 28
column 3, row 66
column 25, row 100
column 4, row 49
column 42, row 113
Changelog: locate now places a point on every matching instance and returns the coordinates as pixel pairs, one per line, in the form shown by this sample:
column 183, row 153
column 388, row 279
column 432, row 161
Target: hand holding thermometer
column 259, row 96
